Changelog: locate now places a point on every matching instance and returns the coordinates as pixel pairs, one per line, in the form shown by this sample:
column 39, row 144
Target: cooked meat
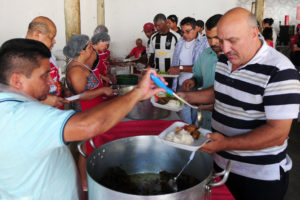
column 190, row 128
column 195, row 134
column 163, row 100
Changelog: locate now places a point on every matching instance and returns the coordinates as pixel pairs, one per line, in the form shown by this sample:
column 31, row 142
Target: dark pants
column 243, row 188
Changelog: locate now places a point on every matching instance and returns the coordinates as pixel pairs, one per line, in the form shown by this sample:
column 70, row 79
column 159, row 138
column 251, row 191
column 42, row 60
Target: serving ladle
column 172, row 182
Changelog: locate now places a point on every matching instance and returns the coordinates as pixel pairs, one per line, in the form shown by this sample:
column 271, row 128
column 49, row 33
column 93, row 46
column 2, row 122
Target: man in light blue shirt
column 204, row 72
column 35, row 161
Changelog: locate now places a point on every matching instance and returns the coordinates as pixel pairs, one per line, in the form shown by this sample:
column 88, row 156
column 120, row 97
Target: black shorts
column 243, row 188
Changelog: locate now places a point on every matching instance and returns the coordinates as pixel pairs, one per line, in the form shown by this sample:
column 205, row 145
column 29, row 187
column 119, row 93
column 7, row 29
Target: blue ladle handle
column 161, row 84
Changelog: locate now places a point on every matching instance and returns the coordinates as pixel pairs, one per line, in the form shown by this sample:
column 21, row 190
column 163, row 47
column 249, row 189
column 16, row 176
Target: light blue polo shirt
column 35, row 161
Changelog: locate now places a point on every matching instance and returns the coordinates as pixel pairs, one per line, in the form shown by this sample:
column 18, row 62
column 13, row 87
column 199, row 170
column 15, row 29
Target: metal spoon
column 172, row 182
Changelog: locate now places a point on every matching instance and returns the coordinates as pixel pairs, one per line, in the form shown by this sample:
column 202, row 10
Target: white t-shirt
column 186, row 53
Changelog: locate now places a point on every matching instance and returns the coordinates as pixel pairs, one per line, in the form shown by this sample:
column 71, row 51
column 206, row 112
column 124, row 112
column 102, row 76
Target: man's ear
column 16, row 81
column 255, row 32
column 36, row 35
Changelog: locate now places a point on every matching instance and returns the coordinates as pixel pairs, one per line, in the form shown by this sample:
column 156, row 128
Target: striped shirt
column 163, row 46
column 266, row 88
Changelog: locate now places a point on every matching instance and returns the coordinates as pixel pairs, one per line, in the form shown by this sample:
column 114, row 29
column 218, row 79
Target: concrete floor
column 294, row 152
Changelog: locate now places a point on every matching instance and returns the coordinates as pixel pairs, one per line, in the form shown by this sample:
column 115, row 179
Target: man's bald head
column 241, row 15
column 42, row 29
column 238, row 34
column 42, row 24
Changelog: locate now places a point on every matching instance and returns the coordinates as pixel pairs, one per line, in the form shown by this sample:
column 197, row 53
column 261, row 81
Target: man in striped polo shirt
column 162, row 44
column 256, row 96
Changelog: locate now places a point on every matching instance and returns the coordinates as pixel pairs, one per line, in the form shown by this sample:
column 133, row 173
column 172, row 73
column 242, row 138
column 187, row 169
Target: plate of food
column 184, row 136
column 165, row 101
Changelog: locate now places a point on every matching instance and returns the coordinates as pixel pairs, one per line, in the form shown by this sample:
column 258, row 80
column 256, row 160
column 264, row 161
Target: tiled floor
column 294, row 152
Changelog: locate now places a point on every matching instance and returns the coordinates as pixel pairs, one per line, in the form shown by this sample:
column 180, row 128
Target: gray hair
column 159, row 17
column 100, row 29
column 104, row 37
column 75, row 45
column 252, row 21
column 38, row 26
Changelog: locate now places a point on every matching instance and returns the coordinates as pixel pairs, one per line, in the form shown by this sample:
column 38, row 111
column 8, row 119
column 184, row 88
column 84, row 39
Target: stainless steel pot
column 147, row 154
column 143, row 110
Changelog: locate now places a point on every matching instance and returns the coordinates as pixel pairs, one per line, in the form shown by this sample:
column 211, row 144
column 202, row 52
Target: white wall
column 124, row 18
column 15, row 16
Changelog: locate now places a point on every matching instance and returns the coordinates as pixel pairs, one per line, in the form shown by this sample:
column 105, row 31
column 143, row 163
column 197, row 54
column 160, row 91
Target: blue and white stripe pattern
column 266, row 88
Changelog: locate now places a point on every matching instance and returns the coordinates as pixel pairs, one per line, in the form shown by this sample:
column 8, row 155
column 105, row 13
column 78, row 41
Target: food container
column 143, row 110
column 197, row 144
column 147, row 154
column 166, row 107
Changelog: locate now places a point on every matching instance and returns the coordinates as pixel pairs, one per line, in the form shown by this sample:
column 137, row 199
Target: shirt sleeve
column 132, row 52
column 282, row 95
column 151, row 45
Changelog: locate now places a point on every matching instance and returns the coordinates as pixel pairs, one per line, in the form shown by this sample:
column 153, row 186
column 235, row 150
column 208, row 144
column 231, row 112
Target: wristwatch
column 181, row 68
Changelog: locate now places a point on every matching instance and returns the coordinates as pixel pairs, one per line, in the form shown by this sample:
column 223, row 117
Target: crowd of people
column 253, row 93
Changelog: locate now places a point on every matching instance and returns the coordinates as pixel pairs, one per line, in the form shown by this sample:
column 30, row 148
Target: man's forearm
column 206, row 96
column 100, row 118
column 274, row 133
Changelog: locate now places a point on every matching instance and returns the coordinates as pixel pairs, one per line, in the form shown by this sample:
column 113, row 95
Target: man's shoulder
column 272, row 57
column 174, row 34
column 154, row 36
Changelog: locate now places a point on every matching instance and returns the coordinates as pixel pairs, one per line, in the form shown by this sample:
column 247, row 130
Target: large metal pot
column 143, row 110
column 147, row 154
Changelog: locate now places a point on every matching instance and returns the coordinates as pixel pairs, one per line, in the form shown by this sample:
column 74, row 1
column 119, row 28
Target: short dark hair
column 268, row 33
column 200, row 23
column 173, row 18
column 269, row 21
column 159, row 17
column 21, row 56
column 188, row 21
column 213, row 21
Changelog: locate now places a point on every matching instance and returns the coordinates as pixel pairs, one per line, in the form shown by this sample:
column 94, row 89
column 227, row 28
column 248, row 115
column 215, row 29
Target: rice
column 173, row 104
column 182, row 137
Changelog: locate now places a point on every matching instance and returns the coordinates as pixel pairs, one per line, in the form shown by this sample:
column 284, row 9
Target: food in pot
column 144, row 183
column 184, row 135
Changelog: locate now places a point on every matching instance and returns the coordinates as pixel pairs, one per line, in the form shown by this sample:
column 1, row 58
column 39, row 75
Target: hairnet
column 100, row 29
column 75, row 45
column 104, row 37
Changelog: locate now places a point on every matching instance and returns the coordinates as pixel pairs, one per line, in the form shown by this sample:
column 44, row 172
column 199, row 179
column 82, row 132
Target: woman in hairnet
column 83, row 79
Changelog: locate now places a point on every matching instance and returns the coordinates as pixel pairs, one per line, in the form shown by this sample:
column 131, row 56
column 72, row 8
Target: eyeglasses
column 186, row 31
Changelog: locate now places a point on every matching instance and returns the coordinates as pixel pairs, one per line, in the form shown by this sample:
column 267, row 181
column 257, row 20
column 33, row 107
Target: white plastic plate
column 193, row 147
column 153, row 101
column 169, row 75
